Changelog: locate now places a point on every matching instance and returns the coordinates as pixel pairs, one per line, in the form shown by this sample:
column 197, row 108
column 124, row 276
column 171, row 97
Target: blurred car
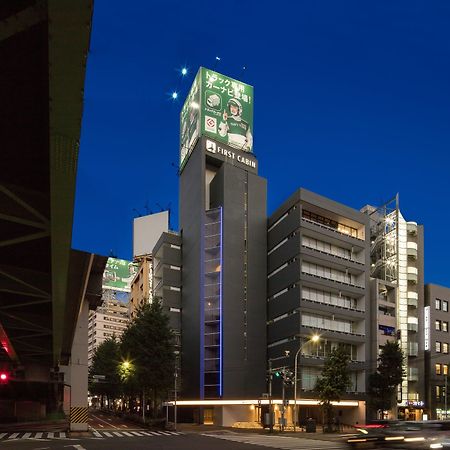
column 421, row 435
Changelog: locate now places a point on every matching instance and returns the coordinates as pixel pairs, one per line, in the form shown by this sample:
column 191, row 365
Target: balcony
column 413, row 324
column 413, row 299
column 411, row 228
column 413, row 348
column 411, row 250
column 413, row 274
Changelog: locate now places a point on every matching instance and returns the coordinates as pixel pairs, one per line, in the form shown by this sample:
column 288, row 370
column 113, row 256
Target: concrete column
column 78, row 373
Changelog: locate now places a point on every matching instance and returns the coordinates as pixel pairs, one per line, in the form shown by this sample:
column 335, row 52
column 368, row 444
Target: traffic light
column 4, row 377
column 278, row 374
column 288, row 377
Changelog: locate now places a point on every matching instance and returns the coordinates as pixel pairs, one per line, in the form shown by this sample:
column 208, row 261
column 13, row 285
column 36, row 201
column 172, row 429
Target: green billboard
column 218, row 107
column 119, row 274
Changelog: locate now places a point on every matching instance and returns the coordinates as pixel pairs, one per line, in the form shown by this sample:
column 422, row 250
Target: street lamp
column 314, row 338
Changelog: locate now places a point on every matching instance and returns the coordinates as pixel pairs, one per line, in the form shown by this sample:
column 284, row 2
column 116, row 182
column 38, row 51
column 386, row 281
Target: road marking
column 126, row 426
column 96, row 433
column 127, row 434
column 163, row 432
column 38, row 435
column 62, row 435
column 26, row 435
column 147, row 434
column 108, row 434
column 13, row 436
column 2, row 435
column 51, row 435
column 104, row 421
column 136, row 433
column 117, row 433
column 100, row 425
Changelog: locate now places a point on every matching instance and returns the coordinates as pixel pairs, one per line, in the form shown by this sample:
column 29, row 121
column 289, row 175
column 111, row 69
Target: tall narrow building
column 397, row 257
column 222, row 220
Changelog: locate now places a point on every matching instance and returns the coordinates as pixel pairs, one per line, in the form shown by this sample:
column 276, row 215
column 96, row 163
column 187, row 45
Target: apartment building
column 396, row 252
column 436, row 346
column 108, row 320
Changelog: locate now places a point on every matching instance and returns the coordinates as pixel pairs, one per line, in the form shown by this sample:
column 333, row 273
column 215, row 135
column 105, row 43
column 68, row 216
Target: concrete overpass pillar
column 78, row 373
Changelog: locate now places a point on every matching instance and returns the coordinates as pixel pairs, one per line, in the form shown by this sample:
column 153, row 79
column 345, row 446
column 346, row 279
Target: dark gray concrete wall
column 191, row 218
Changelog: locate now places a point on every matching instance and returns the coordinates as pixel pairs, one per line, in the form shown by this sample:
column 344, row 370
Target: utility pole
column 282, row 407
column 270, row 398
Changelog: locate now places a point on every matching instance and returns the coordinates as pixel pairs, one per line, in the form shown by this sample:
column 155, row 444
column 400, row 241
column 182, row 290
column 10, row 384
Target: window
column 444, row 305
column 445, row 347
column 438, row 325
column 445, row 326
column 438, row 369
column 438, row 347
column 444, row 369
column 437, row 304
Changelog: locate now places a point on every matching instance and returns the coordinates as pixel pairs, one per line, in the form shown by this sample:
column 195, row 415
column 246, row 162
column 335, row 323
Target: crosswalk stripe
column 108, row 434
column 51, row 435
column 117, row 434
column 62, row 434
column 38, row 435
column 163, row 432
column 2, row 435
column 154, row 433
column 127, row 434
column 26, row 435
column 174, row 432
column 96, row 433
column 146, row 433
column 136, row 433
column 13, row 436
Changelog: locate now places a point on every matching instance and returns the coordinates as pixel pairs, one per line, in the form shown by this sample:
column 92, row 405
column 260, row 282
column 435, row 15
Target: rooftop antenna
column 137, row 212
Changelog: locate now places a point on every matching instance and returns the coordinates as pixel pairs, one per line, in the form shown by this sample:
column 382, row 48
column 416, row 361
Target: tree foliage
column 333, row 382
column 148, row 344
column 104, row 363
column 389, row 374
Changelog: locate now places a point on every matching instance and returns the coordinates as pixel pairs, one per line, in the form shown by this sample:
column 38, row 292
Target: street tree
column 389, row 374
column 148, row 345
column 333, row 382
column 104, row 379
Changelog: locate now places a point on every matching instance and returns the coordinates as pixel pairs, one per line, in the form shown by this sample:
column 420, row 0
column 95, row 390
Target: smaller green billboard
column 220, row 108
column 119, row 274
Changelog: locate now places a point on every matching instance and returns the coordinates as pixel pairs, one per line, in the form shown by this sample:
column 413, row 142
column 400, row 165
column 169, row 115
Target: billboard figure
column 235, row 128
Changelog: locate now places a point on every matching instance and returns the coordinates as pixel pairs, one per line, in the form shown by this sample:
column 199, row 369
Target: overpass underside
column 43, row 282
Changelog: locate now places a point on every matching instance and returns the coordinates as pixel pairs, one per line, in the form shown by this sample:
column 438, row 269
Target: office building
column 318, row 285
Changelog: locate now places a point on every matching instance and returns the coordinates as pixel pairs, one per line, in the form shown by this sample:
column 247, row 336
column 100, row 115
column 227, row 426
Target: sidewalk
column 42, row 425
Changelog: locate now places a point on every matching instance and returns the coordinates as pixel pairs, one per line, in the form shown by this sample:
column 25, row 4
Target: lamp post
column 314, row 338
column 286, row 355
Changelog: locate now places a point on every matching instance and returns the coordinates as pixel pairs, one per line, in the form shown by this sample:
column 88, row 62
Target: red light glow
column 3, row 376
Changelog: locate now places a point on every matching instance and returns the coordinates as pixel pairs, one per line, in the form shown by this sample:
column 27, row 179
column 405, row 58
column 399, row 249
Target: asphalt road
column 187, row 441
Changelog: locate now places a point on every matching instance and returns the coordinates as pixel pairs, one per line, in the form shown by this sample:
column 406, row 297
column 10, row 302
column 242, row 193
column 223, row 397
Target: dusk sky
column 352, row 101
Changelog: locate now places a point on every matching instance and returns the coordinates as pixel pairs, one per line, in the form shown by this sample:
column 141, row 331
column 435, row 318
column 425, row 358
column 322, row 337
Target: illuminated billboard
column 119, row 274
column 220, row 108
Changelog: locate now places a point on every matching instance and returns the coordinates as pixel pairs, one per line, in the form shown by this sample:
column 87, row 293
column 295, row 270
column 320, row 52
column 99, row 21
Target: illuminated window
column 445, row 326
column 444, row 369
column 438, row 347
column 437, row 304
column 444, row 305
column 445, row 347
column 438, row 325
column 438, row 369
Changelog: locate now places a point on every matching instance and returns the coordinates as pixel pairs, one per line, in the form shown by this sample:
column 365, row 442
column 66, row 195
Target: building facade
column 318, row 285
column 108, row 320
column 437, row 358
column 141, row 288
column 396, row 251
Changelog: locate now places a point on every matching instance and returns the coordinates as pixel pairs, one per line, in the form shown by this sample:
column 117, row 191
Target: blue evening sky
column 352, row 101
